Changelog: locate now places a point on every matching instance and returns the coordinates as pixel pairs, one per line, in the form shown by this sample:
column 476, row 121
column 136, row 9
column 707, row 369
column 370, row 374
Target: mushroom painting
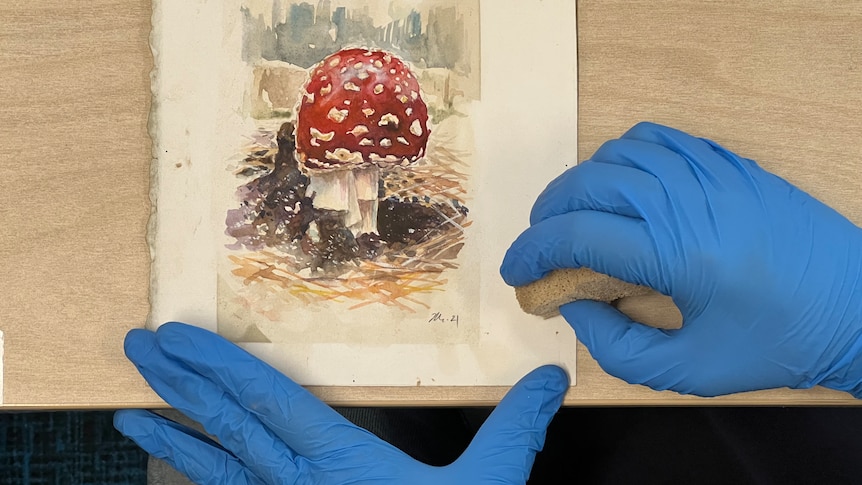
column 361, row 112
column 353, row 190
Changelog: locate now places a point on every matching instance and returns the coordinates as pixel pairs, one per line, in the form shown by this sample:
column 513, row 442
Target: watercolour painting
column 335, row 181
column 352, row 197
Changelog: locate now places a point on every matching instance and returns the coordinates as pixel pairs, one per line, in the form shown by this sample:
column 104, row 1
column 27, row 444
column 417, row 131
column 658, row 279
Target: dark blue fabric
column 60, row 448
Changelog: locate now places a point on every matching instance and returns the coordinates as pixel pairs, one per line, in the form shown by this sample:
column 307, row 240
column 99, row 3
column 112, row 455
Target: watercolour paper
column 335, row 182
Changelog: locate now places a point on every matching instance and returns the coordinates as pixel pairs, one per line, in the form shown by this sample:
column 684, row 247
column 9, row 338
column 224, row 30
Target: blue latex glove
column 272, row 431
column 767, row 278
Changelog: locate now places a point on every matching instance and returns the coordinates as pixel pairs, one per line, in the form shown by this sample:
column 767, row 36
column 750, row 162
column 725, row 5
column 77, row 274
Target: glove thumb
column 515, row 431
column 631, row 351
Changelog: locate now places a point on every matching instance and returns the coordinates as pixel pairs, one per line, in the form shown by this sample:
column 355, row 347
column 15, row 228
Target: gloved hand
column 767, row 278
column 272, row 431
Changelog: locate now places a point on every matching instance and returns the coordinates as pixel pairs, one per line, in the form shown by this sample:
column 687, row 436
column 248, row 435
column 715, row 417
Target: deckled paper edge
column 152, row 130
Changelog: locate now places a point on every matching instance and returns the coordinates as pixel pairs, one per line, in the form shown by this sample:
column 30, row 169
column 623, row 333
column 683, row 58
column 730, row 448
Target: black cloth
column 654, row 445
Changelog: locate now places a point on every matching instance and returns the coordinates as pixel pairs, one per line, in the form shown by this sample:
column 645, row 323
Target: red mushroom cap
column 360, row 108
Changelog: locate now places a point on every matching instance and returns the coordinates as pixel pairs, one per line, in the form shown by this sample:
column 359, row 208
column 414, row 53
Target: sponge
column 640, row 303
column 544, row 297
column 653, row 309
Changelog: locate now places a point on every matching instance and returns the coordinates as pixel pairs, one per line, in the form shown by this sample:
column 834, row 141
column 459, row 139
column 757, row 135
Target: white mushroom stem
column 336, row 191
column 353, row 192
column 366, row 195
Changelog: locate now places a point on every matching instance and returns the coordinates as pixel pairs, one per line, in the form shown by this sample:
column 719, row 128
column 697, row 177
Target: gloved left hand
column 273, row 431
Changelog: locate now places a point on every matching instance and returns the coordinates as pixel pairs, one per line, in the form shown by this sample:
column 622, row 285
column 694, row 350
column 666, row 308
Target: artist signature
column 438, row 317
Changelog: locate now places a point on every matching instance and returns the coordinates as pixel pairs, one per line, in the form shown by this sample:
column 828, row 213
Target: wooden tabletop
column 779, row 82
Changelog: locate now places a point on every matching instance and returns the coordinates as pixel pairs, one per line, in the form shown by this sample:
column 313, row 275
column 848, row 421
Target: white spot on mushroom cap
column 403, row 141
column 316, row 134
column 378, row 64
column 362, row 76
column 326, row 90
column 414, row 95
column 366, row 142
column 344, row 155
column 397, row 89
column 337, row 115
column 408, row 111
column 334, row 61
column 325, row 164
column 309, row 98
column 388, row 119
column 349, row 86
column 386, row 142
column 403, row 99
column 416, row 128
column 367, row 111
column 378, row 89
column 357, row 66
column 358, row 130
column 377, row 158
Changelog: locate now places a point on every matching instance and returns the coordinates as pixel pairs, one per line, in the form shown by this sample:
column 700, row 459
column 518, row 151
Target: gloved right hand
column 767, row 278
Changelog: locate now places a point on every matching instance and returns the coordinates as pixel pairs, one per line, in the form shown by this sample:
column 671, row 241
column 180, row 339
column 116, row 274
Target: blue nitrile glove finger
column 317, row 444
column 622, row 247
column 636, row 353
column 183, row 448
column 193, row 395
column 587, row 189
column 767, row 278
column 505, row 446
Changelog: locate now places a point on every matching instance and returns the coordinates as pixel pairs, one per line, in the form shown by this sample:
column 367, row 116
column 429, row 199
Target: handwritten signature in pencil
column 439, row 317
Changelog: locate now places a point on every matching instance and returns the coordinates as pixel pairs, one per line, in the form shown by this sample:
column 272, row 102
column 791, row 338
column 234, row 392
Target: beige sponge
column 653, row 309
column 640, row 303
column 544, row 297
